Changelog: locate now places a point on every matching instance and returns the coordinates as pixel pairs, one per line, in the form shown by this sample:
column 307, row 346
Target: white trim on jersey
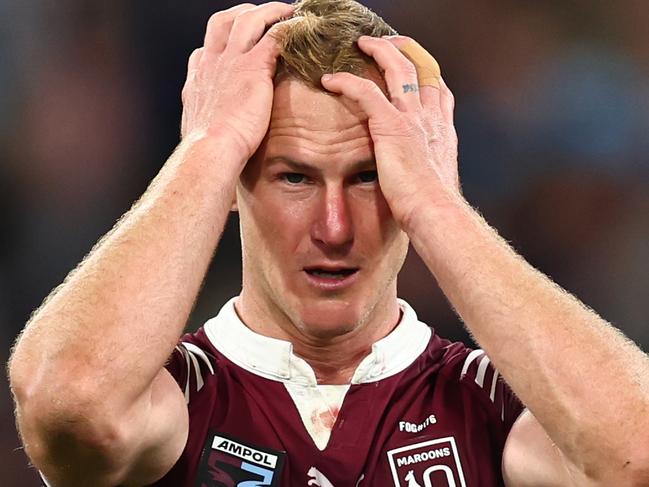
column 274, row 359
column 200, row 354
column 494, row 381
column 192, row 354
column 478, row 366
column 318, row 407
column 469, row 359
column 482, row 370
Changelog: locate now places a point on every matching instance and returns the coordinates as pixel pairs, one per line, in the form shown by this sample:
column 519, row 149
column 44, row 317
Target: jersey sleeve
column 190, row 365
column 474, row 370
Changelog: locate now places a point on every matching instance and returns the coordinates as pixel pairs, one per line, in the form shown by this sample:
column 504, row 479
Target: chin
column 330, row 319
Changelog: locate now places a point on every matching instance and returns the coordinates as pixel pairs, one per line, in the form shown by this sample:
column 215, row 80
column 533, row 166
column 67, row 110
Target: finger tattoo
column 411, row 88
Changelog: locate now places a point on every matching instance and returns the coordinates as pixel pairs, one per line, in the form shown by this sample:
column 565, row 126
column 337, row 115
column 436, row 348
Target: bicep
column 164, row 434
column 141, row 447
column 531, row 459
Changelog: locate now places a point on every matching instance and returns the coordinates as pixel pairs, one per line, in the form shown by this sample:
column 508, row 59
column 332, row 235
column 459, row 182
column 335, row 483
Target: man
column 317, row 374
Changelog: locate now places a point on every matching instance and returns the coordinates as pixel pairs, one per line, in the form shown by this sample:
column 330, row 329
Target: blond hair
column 321, row 38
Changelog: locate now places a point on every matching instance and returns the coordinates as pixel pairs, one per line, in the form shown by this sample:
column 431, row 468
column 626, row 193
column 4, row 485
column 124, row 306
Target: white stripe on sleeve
column 193, row 356
column 482, row 370
column 469, row 359
column 494, row 381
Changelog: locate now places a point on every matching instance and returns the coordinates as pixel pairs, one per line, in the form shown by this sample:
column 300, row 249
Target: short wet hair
column 323, row 39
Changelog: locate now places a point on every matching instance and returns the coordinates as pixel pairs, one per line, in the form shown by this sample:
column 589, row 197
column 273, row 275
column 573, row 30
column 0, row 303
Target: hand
column 229, row 87
column 415, row 144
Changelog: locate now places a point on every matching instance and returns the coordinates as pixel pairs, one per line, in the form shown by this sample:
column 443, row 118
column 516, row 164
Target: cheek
column 279, row 225
column 376, row 220
column 382, row 236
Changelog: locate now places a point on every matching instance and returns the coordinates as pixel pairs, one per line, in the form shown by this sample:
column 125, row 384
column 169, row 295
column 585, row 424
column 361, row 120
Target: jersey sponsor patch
column 427, row 464
column 228, row 462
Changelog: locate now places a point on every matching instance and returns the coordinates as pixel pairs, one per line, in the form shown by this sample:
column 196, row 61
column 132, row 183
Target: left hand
column 415, row 144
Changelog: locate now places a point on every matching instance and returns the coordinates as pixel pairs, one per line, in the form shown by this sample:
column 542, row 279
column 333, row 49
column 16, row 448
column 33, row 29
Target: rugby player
column 334, row 140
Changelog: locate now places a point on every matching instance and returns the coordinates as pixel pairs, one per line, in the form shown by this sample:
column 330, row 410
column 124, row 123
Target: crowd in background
column 552, row 114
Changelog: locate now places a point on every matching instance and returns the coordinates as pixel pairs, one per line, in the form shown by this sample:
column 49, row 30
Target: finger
column 363, row 91
column 250, row 25
column 219, row 26
column 428, row 70
column 269, row 46
column 447, row 102
column 192, row 68
column 194, row 60
column 399, row 72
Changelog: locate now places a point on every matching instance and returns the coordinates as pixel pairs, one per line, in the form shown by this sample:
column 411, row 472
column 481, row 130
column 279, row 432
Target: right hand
column 229, row 87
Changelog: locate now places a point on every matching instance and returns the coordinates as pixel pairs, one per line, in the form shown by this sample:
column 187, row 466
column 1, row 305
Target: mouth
column 331, row 278
column 335, row 273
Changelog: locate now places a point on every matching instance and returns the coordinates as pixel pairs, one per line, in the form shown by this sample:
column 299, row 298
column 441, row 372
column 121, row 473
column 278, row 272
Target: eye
column 368, row 176
column 293, row 177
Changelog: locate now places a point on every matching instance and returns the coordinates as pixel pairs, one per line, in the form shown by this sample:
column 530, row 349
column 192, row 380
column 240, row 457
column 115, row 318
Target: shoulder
column 469, row 366
column 475, row 374
column 193, row 361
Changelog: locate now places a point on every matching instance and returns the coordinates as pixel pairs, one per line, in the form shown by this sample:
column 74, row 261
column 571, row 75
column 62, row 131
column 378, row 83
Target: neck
column 333, row 358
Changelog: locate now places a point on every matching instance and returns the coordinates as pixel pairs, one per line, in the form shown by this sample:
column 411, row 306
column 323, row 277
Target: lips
column 331, row 278
column 331, row 273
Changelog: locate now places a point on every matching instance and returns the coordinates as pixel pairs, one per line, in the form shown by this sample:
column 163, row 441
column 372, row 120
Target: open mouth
column 335, row 274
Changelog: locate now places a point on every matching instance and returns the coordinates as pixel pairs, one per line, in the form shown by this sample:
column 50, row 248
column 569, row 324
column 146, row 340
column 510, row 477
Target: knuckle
column 249, row 12
column 184, row 93
column 409, row 69
column 278, row 5
column 402, row 38
column 264, row 11
column 195, row 55
column 368, row 87
column 216, row 20
column 219, row 18
column 242, row 7
column 375, row 43
column 448, row 94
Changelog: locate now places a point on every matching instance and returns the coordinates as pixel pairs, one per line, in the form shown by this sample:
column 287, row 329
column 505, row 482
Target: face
column 321, row 249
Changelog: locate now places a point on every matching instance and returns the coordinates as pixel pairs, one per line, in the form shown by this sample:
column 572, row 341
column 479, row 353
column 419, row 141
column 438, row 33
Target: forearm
column 109, row 328
column 582, row 379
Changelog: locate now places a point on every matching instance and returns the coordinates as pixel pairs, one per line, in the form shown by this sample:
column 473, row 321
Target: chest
column 403, row 431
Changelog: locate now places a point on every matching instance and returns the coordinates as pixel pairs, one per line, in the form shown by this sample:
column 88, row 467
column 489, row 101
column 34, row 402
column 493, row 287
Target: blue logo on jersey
column 228, row 462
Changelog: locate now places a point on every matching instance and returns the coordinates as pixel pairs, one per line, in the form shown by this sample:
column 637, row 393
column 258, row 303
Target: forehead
column 309, row 124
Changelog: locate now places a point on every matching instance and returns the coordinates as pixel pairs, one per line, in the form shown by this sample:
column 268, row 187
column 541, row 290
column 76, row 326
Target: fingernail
column 326, row 77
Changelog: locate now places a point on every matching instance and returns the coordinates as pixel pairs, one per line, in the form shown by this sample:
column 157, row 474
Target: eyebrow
column 299, row 166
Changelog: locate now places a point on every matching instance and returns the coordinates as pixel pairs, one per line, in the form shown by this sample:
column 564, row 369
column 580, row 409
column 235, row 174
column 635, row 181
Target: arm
column 586, row 384
column 95, row 407
column 531, row 459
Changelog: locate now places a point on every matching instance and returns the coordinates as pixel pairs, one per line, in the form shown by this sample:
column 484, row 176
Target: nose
column 333, row 226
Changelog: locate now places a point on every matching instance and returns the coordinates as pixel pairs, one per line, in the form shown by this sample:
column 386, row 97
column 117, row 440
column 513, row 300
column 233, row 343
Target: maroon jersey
column 420, row 412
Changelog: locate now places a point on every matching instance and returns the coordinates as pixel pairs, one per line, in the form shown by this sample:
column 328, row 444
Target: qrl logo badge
column 228, row 462
column 427, row 464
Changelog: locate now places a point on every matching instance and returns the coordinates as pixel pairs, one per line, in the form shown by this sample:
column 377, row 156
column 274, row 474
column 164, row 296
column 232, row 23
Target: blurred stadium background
column 552, row 113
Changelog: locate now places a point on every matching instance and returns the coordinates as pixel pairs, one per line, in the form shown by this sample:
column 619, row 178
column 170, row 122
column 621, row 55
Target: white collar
column 274, row 359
